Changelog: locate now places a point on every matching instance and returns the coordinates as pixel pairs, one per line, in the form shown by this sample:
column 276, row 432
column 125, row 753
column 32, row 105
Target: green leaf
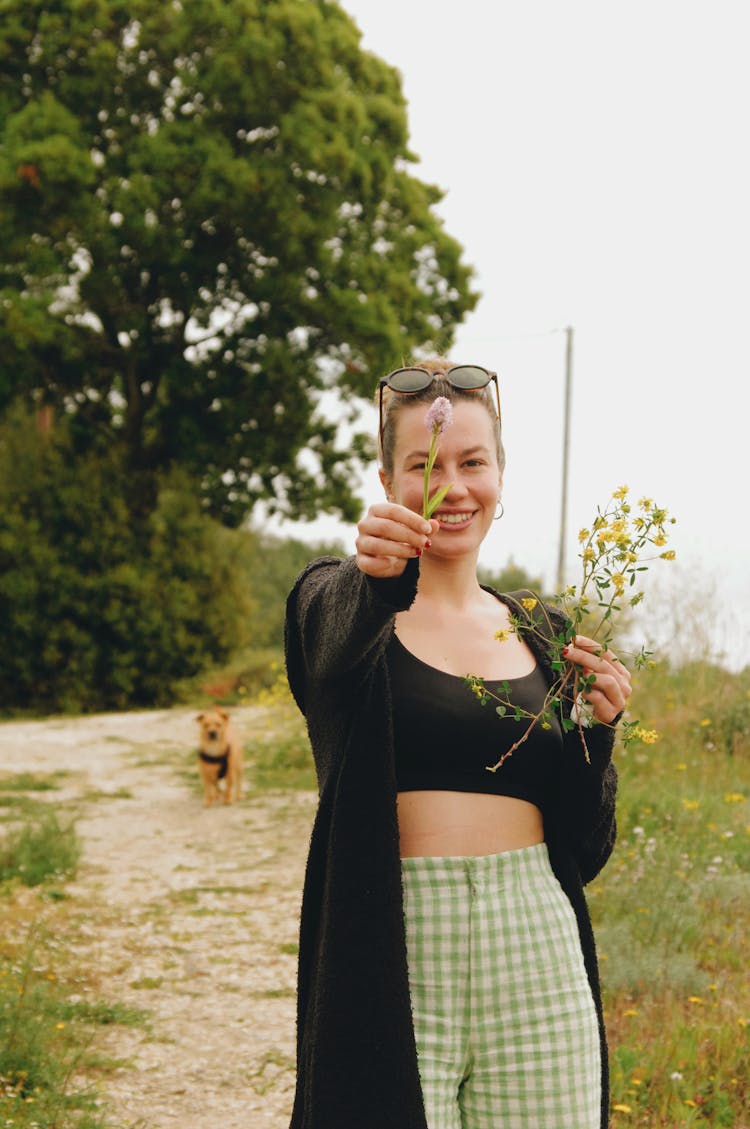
column 435, row 500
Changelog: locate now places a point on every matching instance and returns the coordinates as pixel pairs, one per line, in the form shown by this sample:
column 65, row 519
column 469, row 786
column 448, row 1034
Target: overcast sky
column 594, row 160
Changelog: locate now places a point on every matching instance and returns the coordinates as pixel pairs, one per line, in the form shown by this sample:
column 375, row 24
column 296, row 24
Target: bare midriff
column 434, row 824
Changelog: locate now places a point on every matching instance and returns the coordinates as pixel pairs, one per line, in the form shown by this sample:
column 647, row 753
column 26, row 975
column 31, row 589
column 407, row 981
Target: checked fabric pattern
column 504, row 1020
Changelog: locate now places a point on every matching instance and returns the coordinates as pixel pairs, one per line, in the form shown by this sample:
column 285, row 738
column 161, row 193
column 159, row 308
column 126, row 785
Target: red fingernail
column 565, row 650
column 418, row 552
column 428, row 544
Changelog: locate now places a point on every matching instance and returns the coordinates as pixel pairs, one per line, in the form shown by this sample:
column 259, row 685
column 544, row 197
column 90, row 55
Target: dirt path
column 190, row 913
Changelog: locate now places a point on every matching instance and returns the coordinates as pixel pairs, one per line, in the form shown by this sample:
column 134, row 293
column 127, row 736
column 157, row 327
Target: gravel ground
column 187, row 912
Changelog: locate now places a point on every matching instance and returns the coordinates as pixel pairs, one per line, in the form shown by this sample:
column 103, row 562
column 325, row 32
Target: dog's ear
column 223, row 713
column 200, row 717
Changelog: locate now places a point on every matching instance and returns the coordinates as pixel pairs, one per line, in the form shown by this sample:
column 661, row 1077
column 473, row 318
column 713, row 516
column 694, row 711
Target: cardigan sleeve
column 337, row 617
column 588, row 792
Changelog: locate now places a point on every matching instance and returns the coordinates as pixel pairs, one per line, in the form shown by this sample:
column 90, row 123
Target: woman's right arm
column 338, row 610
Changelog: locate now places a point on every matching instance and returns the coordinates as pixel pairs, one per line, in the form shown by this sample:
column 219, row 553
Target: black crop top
column 444, row 738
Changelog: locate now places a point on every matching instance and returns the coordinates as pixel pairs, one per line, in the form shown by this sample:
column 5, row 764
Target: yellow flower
column 646, row 503
column 501, row 635
column 529, row 603
column 59, row 1026
column 695, row 999
column 476, row 686
column 691, row 1103
column 620, row 1107
column 584, row 534
column 589, row 554
column 648, row 736
column 691, row 805
column 705, row 722
column 618, row 580
column 660, row 539
column 620, row 493
column 630, row 1011
column 681, row 767
column 668, row 556
column 734, row 798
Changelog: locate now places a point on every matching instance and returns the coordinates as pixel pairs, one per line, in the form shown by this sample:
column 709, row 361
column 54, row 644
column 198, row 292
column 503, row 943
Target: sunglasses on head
column 467, row 378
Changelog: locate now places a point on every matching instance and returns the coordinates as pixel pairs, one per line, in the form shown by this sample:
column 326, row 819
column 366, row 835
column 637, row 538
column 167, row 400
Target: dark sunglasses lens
column 409, row 380
column 469, row 376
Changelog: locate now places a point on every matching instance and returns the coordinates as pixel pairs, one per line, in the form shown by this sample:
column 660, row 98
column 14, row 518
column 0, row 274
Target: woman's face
column 466, row 459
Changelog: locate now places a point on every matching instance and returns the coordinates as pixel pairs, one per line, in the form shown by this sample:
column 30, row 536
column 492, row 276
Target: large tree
column 208, row 218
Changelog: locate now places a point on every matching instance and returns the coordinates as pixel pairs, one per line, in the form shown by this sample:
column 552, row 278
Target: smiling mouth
column 455, row 520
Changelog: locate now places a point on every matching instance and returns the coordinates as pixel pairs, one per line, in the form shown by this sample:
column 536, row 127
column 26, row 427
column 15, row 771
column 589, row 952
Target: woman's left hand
column 610, row 692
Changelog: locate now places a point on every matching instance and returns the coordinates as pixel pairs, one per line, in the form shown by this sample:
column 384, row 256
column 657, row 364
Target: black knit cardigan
column 356, row 1054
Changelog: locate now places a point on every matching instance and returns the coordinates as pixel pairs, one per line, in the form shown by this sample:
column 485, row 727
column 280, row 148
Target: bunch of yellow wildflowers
column 618, row 546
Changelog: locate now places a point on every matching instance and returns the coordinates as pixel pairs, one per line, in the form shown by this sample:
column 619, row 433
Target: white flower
column 582, row 712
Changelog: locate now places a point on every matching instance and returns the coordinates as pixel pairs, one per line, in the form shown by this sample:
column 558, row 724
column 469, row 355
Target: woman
column 447, row 972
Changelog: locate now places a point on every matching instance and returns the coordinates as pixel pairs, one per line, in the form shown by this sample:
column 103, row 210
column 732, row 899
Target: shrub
column 106, row 609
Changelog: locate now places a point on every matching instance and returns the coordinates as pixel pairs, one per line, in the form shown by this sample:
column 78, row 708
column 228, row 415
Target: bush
column 106, row 609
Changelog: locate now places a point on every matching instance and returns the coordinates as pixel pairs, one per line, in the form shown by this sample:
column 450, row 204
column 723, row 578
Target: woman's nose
column 457, row 485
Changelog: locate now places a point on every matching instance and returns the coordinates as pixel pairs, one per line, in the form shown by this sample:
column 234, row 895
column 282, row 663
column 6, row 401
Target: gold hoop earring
column 502, row 510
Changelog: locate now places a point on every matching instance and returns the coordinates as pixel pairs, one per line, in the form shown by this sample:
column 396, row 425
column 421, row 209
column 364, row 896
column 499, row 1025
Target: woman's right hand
column 388, row 536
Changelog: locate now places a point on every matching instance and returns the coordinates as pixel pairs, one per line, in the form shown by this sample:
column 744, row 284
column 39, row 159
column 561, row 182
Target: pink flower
column 439, row 416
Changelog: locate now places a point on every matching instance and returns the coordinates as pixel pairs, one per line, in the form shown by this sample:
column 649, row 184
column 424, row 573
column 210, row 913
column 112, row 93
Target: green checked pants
column 506, row 1029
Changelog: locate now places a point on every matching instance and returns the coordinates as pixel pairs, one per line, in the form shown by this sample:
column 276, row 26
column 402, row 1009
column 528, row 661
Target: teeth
column 453, row 519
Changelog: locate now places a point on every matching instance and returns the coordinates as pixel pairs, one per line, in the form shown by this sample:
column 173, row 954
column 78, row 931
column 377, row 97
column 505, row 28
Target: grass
column 283, row 761
column 47, row 1030
column 30, row 782
column 280, row 756
column 39, row 850
column 671, row 910
column 46, row 1043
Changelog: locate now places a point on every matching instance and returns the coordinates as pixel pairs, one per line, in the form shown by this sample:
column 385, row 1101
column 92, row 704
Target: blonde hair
column 393, row 402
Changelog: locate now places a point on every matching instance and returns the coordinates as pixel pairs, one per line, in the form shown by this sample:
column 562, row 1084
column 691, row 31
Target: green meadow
column 671, row 909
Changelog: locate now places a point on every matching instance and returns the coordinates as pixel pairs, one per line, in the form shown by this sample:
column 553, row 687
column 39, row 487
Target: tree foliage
column 511, row 578
column 99, row 611
column 209, row 220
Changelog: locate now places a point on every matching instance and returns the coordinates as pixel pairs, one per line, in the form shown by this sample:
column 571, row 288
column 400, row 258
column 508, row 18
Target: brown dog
column 219, row 757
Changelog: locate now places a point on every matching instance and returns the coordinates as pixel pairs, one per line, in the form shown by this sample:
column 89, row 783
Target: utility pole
column 566, row 459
